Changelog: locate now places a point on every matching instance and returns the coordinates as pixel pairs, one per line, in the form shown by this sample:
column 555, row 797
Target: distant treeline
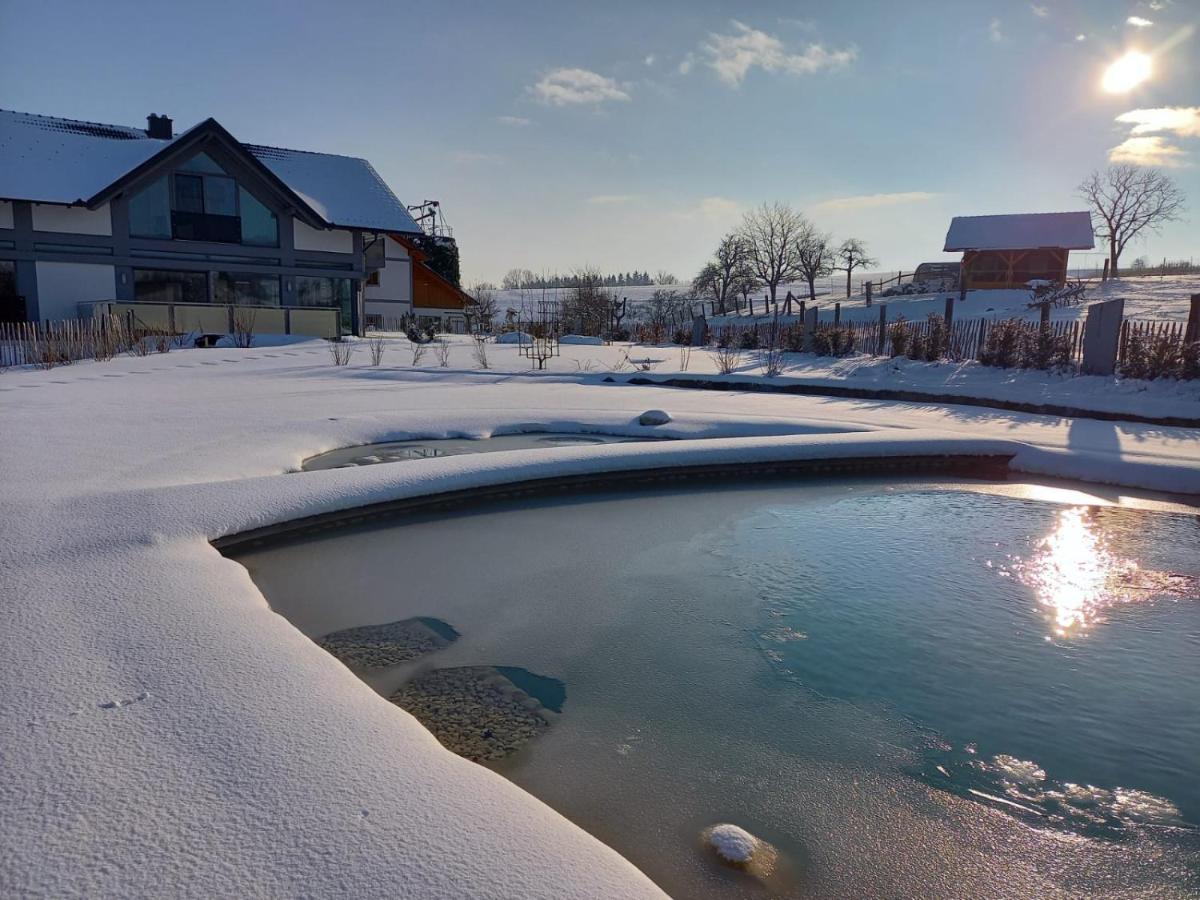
column 516, row 279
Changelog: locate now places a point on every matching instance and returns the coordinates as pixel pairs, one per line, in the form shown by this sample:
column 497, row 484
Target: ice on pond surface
column 856, row 673
column 399, row 451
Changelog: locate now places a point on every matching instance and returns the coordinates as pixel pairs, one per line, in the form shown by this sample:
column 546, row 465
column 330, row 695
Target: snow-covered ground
column 166, row 733
column 1121, row 396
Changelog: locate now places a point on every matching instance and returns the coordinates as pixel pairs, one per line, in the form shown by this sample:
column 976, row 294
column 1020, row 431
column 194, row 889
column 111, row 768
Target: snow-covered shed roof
column 51, row 160
column 1067, row 230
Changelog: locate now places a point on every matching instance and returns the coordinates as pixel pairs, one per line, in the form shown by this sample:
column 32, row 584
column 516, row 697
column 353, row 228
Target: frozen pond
column 398, row 451
column 920, row 689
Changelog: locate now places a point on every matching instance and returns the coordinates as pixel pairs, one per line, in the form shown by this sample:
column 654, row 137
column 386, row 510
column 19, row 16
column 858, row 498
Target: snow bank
column 581, row 339
column 513, row 337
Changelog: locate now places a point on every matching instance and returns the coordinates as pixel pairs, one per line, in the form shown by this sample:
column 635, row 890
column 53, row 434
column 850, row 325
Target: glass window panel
column 259, row 225
column 313, row 291
column 245, row 289
column 202, row 162
column 166, row 286
column 150, row 211
column 220, row 196
column 189, row 193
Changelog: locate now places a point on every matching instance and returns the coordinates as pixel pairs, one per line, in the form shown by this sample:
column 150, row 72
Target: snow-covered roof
column 1069, row 230
column 344, row 190
column 51, row 160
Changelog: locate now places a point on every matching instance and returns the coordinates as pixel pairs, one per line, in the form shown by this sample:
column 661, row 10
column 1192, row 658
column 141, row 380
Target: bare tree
column 516, row 279
column 588, row 304
column 1129, row 200
column 851, row 255
column 719, row 276
column 482, row 313
column 770, row 233
column 664, row 277
column 815, row 253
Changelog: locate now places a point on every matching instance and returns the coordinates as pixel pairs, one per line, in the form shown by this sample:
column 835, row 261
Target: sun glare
column 1126, row 73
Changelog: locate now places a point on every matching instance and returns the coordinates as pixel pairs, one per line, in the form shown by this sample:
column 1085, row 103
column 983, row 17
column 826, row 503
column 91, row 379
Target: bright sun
column 1126, row 73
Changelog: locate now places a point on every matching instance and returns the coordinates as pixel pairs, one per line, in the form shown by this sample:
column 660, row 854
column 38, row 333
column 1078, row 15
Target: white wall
column 6, row 214
column 395, row 278
column 61, row 286
column 72, row 219
column 334, row 241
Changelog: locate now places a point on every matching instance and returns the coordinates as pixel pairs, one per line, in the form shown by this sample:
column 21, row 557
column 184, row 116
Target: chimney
column 159, row 127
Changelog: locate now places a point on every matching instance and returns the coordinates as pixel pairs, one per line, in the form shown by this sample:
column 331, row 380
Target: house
column 91, row 213
column 1010, row 251
column 409, row 288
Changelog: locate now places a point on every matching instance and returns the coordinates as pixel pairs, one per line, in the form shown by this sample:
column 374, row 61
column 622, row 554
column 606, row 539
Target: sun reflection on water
column 1077, row 577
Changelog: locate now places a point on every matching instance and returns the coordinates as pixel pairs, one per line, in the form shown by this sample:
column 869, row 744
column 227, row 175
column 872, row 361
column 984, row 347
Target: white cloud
column 1040, row 11
column 1138, row 22
column 871, row 201
column 1158, row 5
column 1081, row 37
column 712, row 210
column 650, row 59
column 995, row 32
column 514, row 121
column 686, row 64
column 1182, row 120
column 1148, row 151
column 731, row 56
column 572, row 87
column 612, row 199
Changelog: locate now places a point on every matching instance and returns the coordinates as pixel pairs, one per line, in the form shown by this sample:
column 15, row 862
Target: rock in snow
column 733, row 844
column 654, row 417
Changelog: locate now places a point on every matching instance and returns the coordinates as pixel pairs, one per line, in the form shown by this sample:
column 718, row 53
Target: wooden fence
column 964, row 340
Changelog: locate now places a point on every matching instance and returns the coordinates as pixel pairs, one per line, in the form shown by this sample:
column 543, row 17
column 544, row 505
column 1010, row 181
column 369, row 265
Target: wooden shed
column 1010, row 251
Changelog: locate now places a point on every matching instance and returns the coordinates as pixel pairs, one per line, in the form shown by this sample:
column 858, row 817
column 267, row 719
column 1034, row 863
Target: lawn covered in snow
column 166, row 733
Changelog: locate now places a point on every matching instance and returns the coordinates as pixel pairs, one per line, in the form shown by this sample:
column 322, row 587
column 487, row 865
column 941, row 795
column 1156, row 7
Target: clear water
column 400, row 451
column 934, row 690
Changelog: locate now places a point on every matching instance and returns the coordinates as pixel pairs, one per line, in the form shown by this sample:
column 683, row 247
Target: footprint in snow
column 117, row 704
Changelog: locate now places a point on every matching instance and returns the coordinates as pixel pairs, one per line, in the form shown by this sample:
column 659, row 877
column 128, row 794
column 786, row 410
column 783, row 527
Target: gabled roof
column 51, row 160
column 1023, row 231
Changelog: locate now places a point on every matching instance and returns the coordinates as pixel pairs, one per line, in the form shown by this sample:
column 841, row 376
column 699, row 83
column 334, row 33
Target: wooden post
column 882, row 329
column 1192, row 332
column 1104, row 274
column 962, row 278
column 837, row 314
column 949, row 314
column 869, row 286
column 1045, row 315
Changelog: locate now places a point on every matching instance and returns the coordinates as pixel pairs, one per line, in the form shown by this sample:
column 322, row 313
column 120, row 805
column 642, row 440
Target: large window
column 246, row 289
column 259, row 224
column 200, row 202
column 150, row 211
column 166, row 286
column 312, row 291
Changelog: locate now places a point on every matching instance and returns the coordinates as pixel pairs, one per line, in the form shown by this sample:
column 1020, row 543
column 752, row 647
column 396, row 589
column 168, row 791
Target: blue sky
column 629, row 136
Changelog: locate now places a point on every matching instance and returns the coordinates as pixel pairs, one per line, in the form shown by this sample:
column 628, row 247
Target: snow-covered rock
column 514, row 337
column 733, row 844
column 654, row 417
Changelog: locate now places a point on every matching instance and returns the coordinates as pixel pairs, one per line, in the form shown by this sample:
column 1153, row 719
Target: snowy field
column 166, row 733
column 1164, row 299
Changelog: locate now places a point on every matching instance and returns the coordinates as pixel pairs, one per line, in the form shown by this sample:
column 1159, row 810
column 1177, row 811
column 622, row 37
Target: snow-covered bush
column 748, row 339
column 726, row 358
column 833, row 341
column 1160, row 356
column 1002, row 346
